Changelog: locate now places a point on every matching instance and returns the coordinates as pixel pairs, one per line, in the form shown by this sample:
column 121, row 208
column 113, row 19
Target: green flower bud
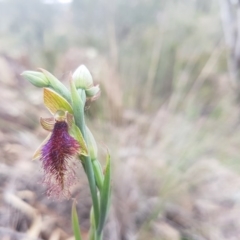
column 82, row 78
column 93, row 91
column 38, row 79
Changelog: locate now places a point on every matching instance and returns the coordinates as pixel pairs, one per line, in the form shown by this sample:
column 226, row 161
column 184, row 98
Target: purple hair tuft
column 57, row 161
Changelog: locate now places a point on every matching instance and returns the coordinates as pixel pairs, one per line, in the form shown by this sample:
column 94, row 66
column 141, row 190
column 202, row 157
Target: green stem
column 93, row 189
column 78, row 103
column 91, row 179
column 78, row 110
column 98, row 237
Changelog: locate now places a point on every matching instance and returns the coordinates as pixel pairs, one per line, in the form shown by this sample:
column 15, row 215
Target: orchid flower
column 71, row 142
column 58, row 150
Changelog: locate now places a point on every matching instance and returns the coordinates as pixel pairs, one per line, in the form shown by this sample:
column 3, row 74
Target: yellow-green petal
column 37, row 153
column 47, row 123
column 76, row 133
column 69, row 119
column 54, row 102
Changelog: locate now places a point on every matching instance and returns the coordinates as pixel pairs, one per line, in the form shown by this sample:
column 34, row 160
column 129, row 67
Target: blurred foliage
column 150, row 44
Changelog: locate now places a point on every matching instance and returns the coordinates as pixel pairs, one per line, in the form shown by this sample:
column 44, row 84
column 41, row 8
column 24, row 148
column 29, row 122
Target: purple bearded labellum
column 57, row 161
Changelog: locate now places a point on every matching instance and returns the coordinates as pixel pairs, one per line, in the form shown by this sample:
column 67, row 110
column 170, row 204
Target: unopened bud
column 38, row 79
column 82, row 78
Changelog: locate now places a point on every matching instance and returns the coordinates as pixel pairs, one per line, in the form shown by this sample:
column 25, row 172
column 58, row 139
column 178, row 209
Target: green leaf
column 54, row 102
column 105, row 196
column 75, row 223
column 92, row 231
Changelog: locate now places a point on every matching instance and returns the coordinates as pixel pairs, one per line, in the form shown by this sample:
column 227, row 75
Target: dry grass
column 175, row 175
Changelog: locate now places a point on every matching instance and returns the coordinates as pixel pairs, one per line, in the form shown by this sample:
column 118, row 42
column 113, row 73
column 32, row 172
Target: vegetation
column 168, row 112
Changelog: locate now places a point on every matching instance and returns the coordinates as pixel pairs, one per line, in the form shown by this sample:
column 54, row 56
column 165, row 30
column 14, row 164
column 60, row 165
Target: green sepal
column 56, row 85
column 75, row 223
column 75, row 132
column 93, row 91
column 38, row 79
column 105, row 196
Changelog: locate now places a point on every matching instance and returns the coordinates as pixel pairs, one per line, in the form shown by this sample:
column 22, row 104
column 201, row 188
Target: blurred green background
column 168, row 112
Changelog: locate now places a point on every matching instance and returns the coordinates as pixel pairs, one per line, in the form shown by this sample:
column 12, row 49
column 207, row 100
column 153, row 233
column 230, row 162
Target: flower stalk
column 70, row 137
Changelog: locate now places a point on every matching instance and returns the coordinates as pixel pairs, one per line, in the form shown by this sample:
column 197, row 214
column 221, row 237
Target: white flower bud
column 82, row 78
